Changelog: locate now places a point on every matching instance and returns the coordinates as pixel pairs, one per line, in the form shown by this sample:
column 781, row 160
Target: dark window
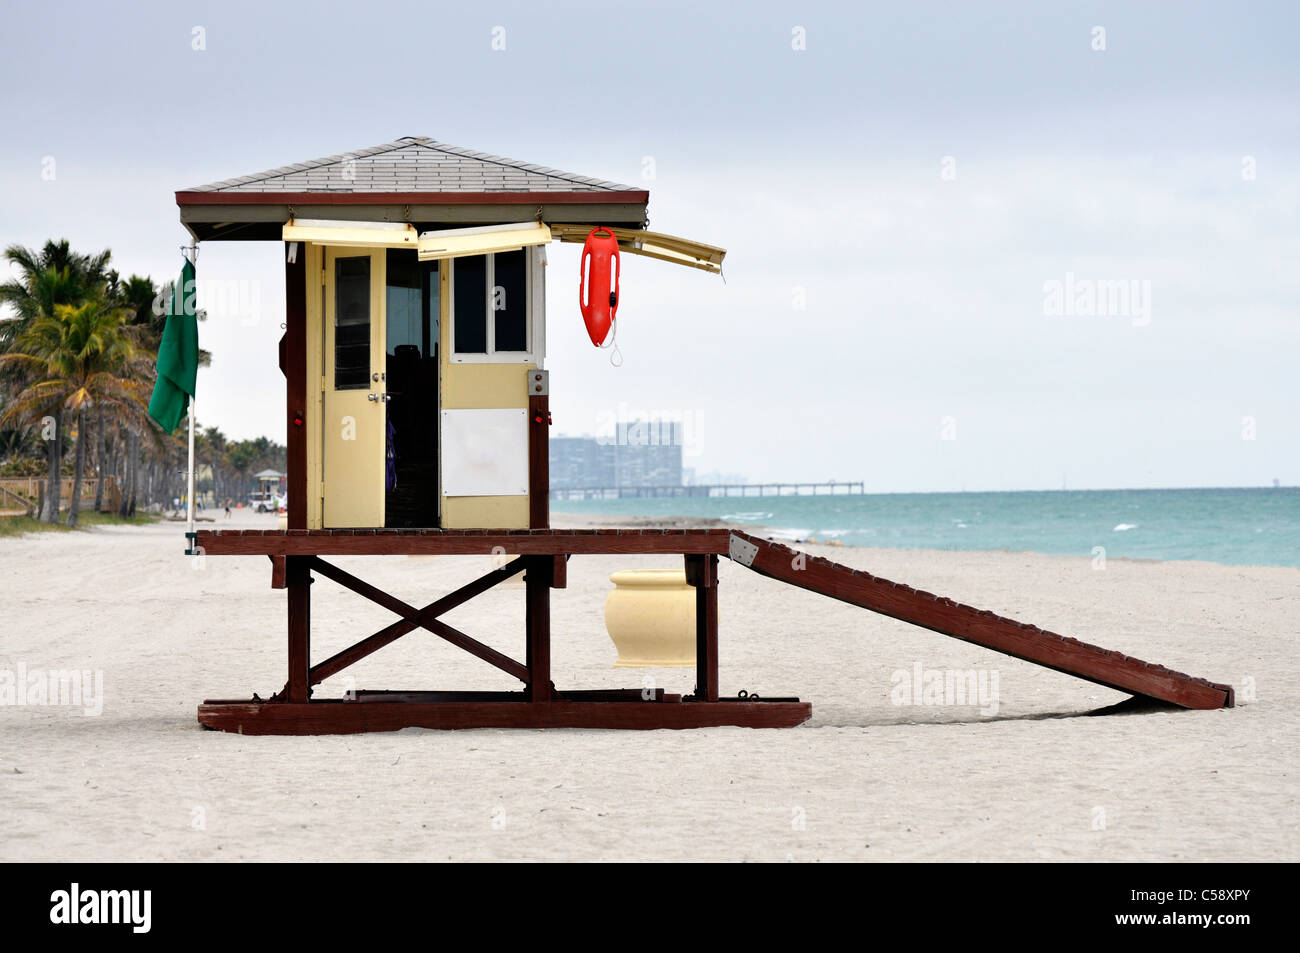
column 352, row 323
column 404, row 314
column 470, row 305
column 510, row 301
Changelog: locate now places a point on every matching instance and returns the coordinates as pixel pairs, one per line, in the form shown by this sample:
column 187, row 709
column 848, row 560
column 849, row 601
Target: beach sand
column 865, row 779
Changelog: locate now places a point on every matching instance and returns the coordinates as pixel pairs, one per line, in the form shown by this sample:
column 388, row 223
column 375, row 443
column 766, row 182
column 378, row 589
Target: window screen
column 404, row 318
column 352, row 323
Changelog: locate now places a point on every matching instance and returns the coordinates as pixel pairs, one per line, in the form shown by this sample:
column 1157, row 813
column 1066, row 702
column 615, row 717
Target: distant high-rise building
column 639, row 454
column 577, row 462
column 648, row 453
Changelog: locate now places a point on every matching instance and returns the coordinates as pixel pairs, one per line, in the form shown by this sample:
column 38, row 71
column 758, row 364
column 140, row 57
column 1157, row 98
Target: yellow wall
column 485, row 386
column 485, row 512
column 462, row 387
column 482, row 386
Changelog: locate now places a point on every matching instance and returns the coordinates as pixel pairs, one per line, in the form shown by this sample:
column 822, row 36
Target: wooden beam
column 359, row 650
column 413, row 618
column 539, row 453
column 277, row 571
column 298, row 582
column 294, row 366
column 383, row 542
column 349, row 717
column 391, row 633
column 633, row 196
column 702, row 573
column 1028, row 642
column 477, row 649
column 537, row 598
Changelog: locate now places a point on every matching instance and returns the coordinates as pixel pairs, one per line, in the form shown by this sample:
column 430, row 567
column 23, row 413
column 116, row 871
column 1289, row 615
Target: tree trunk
column 74, row 505
column 101, row 471
column 135, row 471
column 124, row 439
column 55, row 475
column 128, row 475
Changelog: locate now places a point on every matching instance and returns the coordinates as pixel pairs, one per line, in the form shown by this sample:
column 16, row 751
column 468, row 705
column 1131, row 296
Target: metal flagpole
column 191, row 549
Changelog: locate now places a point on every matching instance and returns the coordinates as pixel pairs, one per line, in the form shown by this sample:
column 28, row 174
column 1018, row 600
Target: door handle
column 372, row 397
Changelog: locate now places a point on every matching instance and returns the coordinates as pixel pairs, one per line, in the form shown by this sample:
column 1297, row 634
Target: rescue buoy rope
column 615, row 356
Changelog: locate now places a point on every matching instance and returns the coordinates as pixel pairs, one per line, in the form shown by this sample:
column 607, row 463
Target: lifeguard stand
column 417, row 408
column 268, row 484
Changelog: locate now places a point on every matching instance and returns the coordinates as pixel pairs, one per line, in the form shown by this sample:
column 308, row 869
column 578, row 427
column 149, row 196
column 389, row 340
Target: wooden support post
column 298, row 582
column 537, row 582
column 277, row 572
column 293, row 362
column 539, row 450
column 702, row 573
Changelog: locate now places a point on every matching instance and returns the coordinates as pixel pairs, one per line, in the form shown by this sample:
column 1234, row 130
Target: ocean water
column 1243, row 527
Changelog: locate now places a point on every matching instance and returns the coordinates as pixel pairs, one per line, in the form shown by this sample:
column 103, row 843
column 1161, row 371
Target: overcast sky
column 897, row 199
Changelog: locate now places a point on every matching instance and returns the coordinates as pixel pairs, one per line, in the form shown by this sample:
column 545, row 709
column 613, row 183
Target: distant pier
column 830, row 488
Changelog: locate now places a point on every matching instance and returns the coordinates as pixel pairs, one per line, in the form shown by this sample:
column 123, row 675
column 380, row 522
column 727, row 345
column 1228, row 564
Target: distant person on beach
column 227, row 507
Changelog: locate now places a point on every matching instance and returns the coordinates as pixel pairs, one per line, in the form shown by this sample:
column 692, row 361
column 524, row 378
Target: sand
column 865, row 779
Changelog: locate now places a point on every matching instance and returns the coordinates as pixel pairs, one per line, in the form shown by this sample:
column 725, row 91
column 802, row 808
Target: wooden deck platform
column 509, row 710
column 296, row 555
column 462, row 542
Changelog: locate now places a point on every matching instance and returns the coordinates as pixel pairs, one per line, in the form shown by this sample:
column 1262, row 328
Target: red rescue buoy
column 598, row 274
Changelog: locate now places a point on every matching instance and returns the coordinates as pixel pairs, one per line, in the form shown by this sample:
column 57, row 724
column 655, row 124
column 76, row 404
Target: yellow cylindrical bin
column 650, row 615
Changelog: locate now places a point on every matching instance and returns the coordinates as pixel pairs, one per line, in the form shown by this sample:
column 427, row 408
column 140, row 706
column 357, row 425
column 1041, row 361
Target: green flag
column 178, row 355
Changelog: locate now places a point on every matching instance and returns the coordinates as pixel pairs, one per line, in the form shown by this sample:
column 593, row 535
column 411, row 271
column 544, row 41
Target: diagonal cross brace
column 413, row 618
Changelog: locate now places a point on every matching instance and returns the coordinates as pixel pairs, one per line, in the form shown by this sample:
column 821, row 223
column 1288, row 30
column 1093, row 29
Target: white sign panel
column 485, row 452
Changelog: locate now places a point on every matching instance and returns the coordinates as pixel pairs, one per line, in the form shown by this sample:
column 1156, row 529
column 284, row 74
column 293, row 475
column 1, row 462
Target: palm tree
column 242, row 456
column 212, row 445
column 137, row 295
column 79, row 357
column 52, row 276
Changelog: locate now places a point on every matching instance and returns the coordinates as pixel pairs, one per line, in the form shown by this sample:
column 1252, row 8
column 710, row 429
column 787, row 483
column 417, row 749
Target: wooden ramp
column 1112, row 669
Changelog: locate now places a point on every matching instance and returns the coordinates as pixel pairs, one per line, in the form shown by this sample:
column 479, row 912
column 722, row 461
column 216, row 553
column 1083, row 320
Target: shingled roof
column 415, row 179
column 413, row 164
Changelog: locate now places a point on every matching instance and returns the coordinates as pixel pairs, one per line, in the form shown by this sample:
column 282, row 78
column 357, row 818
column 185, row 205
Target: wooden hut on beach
column 416, row 401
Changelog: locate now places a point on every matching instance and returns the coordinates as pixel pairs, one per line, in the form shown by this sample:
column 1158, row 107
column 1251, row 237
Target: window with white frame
column 496, row 307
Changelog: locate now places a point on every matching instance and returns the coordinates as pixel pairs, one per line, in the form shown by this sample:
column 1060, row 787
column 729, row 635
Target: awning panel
column 679, row 251
column 359, row 234
column 457, row 242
